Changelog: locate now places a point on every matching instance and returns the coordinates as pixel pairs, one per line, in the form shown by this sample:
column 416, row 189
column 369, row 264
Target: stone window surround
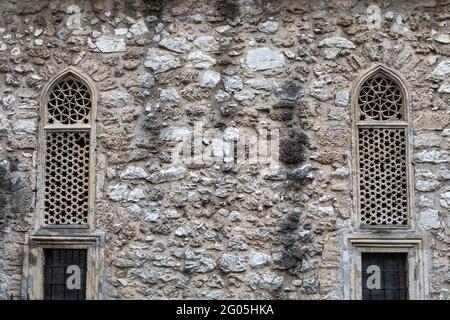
column 33, row 263
column 412, row 243
column 64, row 236
column 364, row 75
column 39, row 215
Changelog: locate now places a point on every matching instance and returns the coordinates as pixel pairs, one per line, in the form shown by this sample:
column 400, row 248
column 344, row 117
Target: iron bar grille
column 55, row 274
column 394, row 276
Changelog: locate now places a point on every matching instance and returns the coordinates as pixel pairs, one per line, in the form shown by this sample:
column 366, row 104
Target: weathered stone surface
column 200, row 60
column 264, row 281
column 24, row 127
column 197, row 261
column 429, row 219
column 233, row 84
column 107, row 44
column 118, row 192
column 175, row 44
column 207, row 43
column 300, row 173
column 289, row 93
column 337, row 42
column 231, row 262
column 170, row 174
column 426, row 180
column 133, row 172
column 268, row 27
column 264, row 58
column 342, row 98
column 175, row 134
column 433, row 156
column 192, row 226
column 159, row 61
column 442, row 69
column 115, row 99
column 258, row 259
column 445, row 200
column 210, row 79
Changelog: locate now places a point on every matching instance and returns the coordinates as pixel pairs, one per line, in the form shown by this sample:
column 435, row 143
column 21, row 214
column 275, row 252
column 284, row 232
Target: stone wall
column 223, row 231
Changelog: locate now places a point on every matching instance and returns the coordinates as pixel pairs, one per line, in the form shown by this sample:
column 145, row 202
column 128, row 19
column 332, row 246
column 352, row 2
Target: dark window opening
column 384, row 276
column 65, row 274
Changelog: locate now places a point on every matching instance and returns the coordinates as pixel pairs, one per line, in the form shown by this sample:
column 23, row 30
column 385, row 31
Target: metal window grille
column 56, row 273
column 393, row 276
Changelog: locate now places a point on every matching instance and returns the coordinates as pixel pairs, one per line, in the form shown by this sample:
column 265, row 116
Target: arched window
column 67, row 143
column 381, row 130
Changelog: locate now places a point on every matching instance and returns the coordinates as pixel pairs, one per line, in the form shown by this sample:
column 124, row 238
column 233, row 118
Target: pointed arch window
column 381, row 113
column 67, row 142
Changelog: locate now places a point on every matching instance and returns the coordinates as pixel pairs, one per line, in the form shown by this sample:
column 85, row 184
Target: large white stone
column 426, row 180
column 442, row 69
column 445, row 199
column 160, row 61
column 433, row 156
column 210, row 79
column 133, row 172
column 264, row 58
column 337, row 42
column 115, row 99
column 429, row 219
column 207, row 43
column 24, row 127
column 258, row 259
column 201, row 60
column 139, row 28
column 268, row 27
column 175, row 134
column 107, row 44
column 118, row 192
column 170, row 174
column 175, row 44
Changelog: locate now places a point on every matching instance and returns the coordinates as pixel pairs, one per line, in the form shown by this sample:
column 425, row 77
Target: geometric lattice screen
column 383, row 176
column 382, row 153
column 67, row 154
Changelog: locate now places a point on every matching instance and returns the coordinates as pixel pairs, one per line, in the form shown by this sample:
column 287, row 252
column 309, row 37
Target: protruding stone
column 24, row 127
column 175, row 44
column 133, row 172
column 269, row 27
column 337, row 42
column 264, row 59
column 170, row 174
column 207, row 43
column 426, row 181
column 342, row 98
column 429, row 219
column 118, row 192
column 107, row 44
column 201, row 60
column 433, row 156
column 210, row 79
column 231, row 262
column 159, row 61
column 115, row 99
column 442, row 69
column 258, row 259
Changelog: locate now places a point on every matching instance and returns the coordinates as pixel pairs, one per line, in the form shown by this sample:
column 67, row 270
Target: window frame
column 41, row 162
column 412, row 243
column 406, row 124
column 34, row 259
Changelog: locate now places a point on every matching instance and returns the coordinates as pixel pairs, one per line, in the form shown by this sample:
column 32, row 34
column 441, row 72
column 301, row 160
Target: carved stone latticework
column 382, row 148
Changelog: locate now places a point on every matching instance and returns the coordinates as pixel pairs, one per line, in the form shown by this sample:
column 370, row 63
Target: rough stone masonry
column 223, row 230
